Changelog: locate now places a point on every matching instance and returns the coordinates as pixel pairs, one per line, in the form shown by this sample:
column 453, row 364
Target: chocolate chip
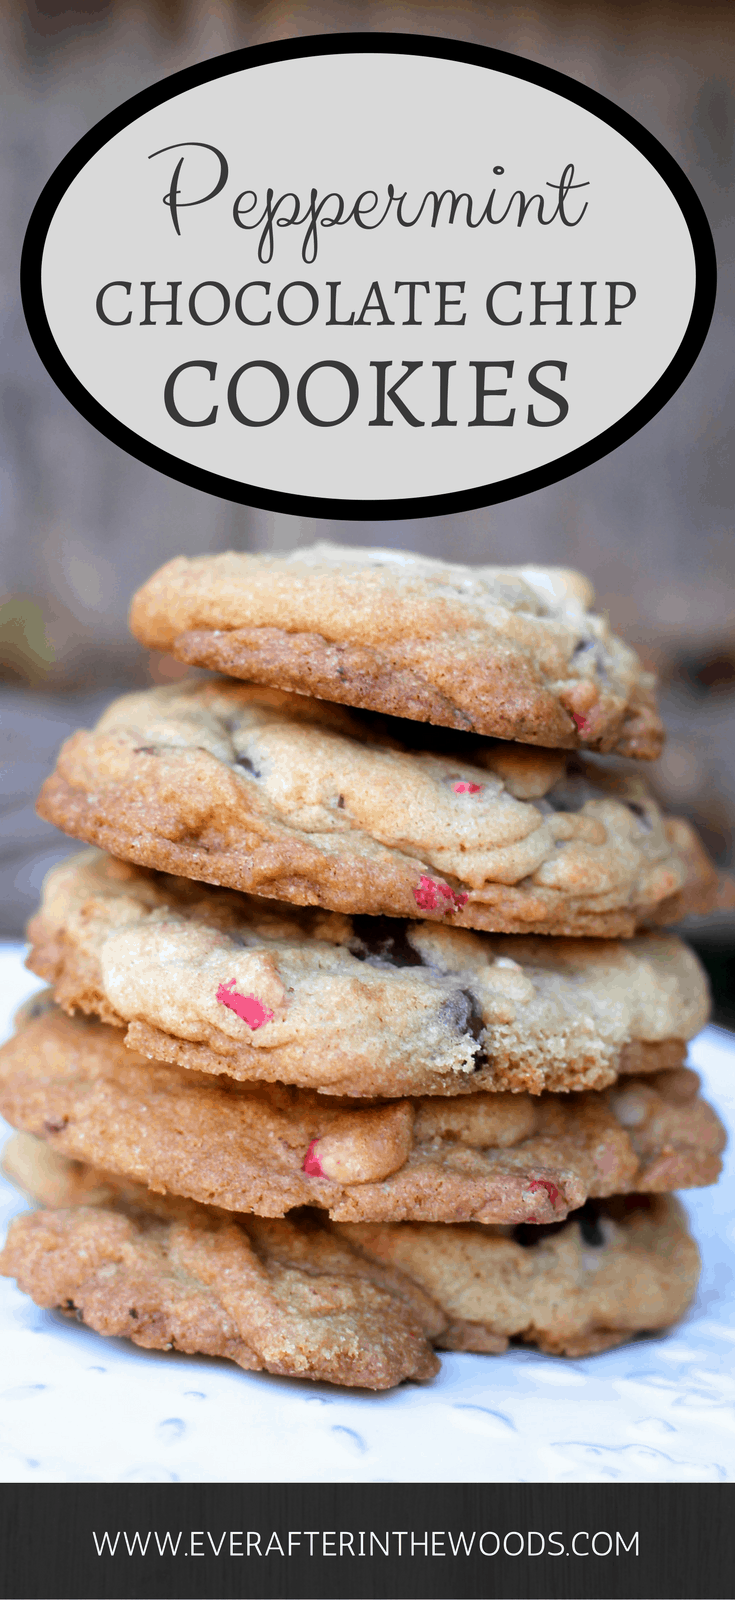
column 341, row 801
column 530, row 1234
column 244, row 761
column 461, row 1012
column 591, row 1231
column 133, row 1313
column 383, row 941
column 589, row 1225
column 456, row 1010
column 475, row 1020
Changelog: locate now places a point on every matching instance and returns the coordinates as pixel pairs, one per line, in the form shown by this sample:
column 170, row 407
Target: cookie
column 510, row 651
column 620, row 1267
column 269, row 1149
column 49, row 1179
column 223, row 982
column 290, row 1298
column 302, row 801
column 354, row 1303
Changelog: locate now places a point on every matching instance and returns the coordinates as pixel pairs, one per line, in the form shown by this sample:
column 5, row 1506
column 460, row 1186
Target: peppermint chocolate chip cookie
column 616, row 1268
column 269, row 1149
column 298, row 800
column 510, row 651
column 222, row 982
column 350, row 1303
column 287, row 1297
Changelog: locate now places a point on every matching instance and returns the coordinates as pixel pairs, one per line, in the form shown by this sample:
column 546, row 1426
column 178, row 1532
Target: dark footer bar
column 298, row 1541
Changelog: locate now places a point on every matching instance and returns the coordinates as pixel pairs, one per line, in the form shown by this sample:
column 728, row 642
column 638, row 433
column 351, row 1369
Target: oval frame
column 370, row 510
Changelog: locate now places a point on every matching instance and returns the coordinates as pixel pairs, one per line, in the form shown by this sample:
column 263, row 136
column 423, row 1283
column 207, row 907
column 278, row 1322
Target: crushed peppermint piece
column 467, row 788
column 312, row 1165
column 246, row 1006
column 429, row 895
column 545, row 1183
column 580, row 722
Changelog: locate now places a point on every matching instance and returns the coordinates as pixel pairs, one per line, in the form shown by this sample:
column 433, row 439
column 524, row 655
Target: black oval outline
column 353, row 44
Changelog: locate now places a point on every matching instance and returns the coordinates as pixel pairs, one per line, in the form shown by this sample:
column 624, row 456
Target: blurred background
column 82, row 524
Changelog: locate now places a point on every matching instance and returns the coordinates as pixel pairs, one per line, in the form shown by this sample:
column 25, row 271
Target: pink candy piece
column 430, row 894
column 312, row 1164
column 246, row 1006
column 580, row 722
column 544, row 1183
column 467, row 788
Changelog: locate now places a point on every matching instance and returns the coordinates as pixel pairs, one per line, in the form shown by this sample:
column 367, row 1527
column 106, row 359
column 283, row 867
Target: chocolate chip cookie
column 352, row 1303
column 222, row 982
column 298, row 800
column 510, row 651
column 267, row 1148
column 287, row 1297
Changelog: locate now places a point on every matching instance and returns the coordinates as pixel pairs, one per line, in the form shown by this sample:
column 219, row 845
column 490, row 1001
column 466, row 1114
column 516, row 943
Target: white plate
column 75, row 1407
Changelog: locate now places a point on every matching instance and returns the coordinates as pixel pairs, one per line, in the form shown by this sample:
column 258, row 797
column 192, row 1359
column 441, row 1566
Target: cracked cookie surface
column 269, row 1149
column 168, row 1273
column 510, row 651
column 287, row 1297
column 226, row 983
column 299, row 800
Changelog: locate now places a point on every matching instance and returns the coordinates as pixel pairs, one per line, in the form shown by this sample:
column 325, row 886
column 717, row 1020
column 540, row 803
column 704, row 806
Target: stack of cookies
column 363, row 1039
